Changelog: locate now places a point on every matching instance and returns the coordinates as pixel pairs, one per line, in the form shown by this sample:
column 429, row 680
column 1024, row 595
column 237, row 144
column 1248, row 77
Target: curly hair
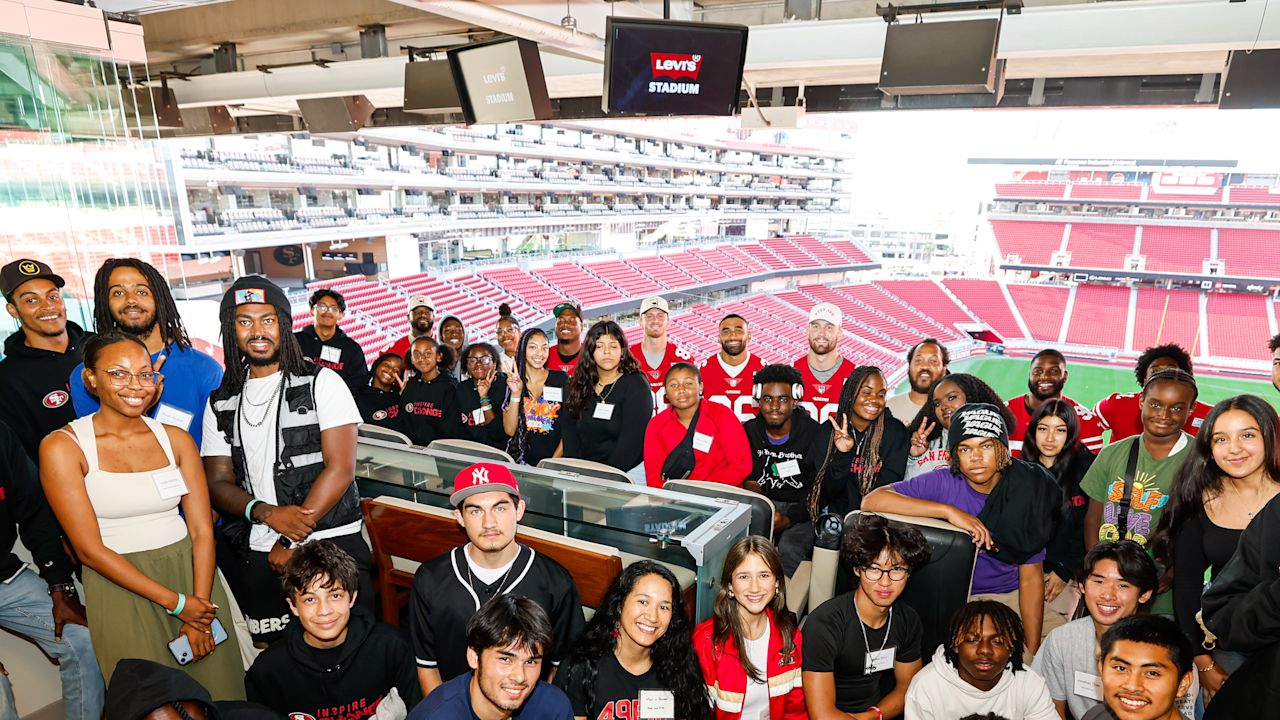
column 872, row 534
column 1007, row 624
column 727, row 627
column 582, row 386
column 869, row 451
column 168, row 319
column 673, row 657
column 785, row 374
column 975, row 391
column 1172, row 351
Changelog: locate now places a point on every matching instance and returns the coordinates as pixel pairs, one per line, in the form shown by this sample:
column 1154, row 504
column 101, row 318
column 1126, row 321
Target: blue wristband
column 248, row 509
column 182, row 604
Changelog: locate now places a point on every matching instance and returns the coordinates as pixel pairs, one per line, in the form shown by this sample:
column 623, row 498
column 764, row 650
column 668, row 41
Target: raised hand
column 515, row 385
column 402, row 379
column 920, row 439
column 840, row 434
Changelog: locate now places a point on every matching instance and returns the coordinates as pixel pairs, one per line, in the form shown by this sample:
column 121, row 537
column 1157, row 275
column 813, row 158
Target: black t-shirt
column 614, row 687
column 834, row 643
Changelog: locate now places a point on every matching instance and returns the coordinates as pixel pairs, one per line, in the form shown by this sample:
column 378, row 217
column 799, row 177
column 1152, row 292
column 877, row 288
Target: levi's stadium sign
column 675, row 66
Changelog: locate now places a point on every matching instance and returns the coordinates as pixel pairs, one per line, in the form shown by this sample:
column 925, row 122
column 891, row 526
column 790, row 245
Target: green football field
column 1087, row 384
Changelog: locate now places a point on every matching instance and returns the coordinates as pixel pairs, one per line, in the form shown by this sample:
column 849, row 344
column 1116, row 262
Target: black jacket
column 35, row 398
column 379, row 407
column 491, row 433
column 429, row 410
column 23, row 509
column 373, row 658
column 1242, row 606
column 349, row 362
column 1066, row 548
column 807, row 445
column 842, row 493
column 1022, row 512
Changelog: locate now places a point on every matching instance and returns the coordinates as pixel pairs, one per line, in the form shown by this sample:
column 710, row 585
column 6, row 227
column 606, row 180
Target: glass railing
column 691, row 535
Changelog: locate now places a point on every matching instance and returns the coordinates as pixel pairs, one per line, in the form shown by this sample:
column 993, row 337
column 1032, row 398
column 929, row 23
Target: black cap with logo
column 23, row 270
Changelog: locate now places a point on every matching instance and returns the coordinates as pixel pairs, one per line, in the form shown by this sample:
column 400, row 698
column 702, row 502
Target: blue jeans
column 27, row 609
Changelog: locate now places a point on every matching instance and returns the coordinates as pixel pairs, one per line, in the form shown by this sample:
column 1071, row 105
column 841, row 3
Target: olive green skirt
column 125, row 625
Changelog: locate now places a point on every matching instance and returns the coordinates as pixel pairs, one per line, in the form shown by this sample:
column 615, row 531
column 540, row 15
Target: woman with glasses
column 116, row 479
column 482, row 394
column 507, row 333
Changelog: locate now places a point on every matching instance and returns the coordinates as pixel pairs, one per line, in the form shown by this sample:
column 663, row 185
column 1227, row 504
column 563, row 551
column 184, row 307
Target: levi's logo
column 675, row 65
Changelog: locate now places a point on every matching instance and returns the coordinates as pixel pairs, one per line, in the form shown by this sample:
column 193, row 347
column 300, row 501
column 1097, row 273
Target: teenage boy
column 34, row 397
column 507, row 642
column 568, row 338
column 655, row 352
column 978, row 670
column 279, row 451
column 1167, row 399
column 335, row 661
column 450, row 588
column 823, row 368
column 787, row 448
column 853, row 643
column 1145, row 663
column 422, row 316
column 726, row 376
column 1117, row 578
column 132, row 296
column 1045, row 381
column 1121, row 413
column 927, row 363
column 1007, row 505
column 325, row 344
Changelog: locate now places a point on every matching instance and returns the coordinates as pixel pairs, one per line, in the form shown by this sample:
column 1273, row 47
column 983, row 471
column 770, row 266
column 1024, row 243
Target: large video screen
column 666, row 67
column 502, row 81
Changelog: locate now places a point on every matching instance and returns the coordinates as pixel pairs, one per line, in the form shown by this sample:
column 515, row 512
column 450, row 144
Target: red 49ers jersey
column 658, row 375
column 1122, row 412
column 732, row 391
column 822, row 398
column 1090, row 426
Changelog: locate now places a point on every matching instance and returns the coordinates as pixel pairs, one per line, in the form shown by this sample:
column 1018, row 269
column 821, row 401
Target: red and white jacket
column 727, row 680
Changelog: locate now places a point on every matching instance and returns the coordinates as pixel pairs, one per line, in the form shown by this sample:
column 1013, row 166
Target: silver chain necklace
column 272, row 401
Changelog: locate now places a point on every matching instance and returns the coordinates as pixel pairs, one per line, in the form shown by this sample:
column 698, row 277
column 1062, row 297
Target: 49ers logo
column 675, row 65
column 57, row 398
column 379, row 414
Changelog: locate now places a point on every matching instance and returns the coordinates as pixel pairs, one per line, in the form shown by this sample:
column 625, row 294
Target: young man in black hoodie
column 35, row 398
column 787, row 448
column 336, row 661
column 326, row 345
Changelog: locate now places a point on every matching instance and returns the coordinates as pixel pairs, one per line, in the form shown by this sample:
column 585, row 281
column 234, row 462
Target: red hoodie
column 727, row 680
column 728, row 458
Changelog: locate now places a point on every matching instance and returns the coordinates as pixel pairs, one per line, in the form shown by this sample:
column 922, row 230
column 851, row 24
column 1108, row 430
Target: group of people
column 167, row 477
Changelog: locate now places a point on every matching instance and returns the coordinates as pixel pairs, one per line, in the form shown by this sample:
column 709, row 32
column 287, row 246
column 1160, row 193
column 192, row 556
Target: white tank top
column 132, row 516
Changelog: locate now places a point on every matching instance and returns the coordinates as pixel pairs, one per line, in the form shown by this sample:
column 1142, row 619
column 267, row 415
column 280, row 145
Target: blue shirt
column 452, row 701
column 189, row 377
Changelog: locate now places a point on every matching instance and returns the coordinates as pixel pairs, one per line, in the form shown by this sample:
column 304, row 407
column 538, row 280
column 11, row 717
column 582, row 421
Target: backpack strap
column 1130, row 472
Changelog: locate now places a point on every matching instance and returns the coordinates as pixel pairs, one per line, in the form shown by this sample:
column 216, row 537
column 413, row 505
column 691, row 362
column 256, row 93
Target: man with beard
column 823, row 369
column 422, row 315
column 655, row 353
column 34, row 398
column 1045, row 381
column 568, row 338
column 324, row 343
column 279, row 451
column 507, row 641
column 726, row 376
column 927, row 362
column 131, row 296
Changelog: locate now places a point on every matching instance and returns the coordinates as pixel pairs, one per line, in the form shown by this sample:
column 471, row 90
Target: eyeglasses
column 120, row 378
column 897, row 573
column 423, row 354
column 481, row 360
column 322, row 308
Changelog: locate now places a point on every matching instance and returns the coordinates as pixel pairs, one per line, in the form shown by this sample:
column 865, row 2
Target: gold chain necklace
column 1241, row 496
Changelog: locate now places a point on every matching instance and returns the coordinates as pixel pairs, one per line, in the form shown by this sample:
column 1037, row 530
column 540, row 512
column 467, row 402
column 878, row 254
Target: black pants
column 260, row 595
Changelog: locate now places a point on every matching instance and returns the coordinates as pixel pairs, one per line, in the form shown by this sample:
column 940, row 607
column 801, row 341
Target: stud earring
column 730, row 593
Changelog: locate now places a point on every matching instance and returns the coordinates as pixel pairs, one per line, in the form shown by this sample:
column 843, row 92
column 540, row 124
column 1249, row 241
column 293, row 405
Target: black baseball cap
column 22, row 270
column 255, row 289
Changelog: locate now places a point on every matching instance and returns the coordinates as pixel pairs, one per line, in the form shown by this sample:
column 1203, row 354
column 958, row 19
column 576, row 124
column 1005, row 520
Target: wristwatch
column 285, row 542
column 68, row 588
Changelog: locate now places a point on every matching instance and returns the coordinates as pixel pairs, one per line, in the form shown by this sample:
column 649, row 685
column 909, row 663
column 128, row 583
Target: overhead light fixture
column 337, row 244
column 568, row 22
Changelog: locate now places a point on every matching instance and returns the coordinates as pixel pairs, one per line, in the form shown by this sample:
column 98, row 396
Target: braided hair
column 869, row 452
column 518, row 444
column 167, row 317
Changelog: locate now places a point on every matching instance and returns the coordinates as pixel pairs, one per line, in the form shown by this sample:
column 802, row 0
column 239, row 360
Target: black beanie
column 255, row 289
column 981, row 420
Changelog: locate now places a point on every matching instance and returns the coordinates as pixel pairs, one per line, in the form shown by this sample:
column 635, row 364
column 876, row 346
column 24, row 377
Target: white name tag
column 552, row 394
column 170, row 483
column 701, row 443
column 657, row 705
column 1089, row 686
column 604, row 411
column 177, row 417
column 477, row 416
column 787, row 469
column 880, row 660
column 328, row 353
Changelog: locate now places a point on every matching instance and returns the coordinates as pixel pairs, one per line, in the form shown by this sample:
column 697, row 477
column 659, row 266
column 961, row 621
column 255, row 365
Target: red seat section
column 1165, row 316
column 1250, row 252
column 1100, row 246
column 926, row 297
column 664, row 272
column 1031, row 189
column 1238, row 325
column 626, row 278
column 1106, row 191
column 582, row 286
column 1042, row 308
column 792, row 254
column 1033, row 240
column 984, row 299
column 1099, row 316
column 1255, row 195
column 1170, row 248
column 525, row 286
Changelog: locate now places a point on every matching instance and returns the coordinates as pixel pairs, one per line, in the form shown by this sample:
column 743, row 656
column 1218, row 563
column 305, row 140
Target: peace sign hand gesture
column 840, row 434
column 920, row 439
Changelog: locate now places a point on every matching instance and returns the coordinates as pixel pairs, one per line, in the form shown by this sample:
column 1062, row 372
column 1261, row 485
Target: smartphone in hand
column 181, row 648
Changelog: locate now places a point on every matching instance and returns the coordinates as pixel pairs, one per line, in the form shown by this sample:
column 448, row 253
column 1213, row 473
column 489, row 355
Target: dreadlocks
column 292, row 361
column 868, row 451
column 166, row 317
column 1007, row 624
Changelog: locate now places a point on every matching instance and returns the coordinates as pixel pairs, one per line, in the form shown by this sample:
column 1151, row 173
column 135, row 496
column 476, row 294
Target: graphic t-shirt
column 821, row 397
column 656, row 375
column 617, row 692
column 542, row 419
column 1152, row 484
column 1090, row 427
column 730, row 385
column 1122, row 414
column 833, row 642
column 937, row 456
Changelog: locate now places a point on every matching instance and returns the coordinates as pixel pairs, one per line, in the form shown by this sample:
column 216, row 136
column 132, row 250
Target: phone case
column 181, row 648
